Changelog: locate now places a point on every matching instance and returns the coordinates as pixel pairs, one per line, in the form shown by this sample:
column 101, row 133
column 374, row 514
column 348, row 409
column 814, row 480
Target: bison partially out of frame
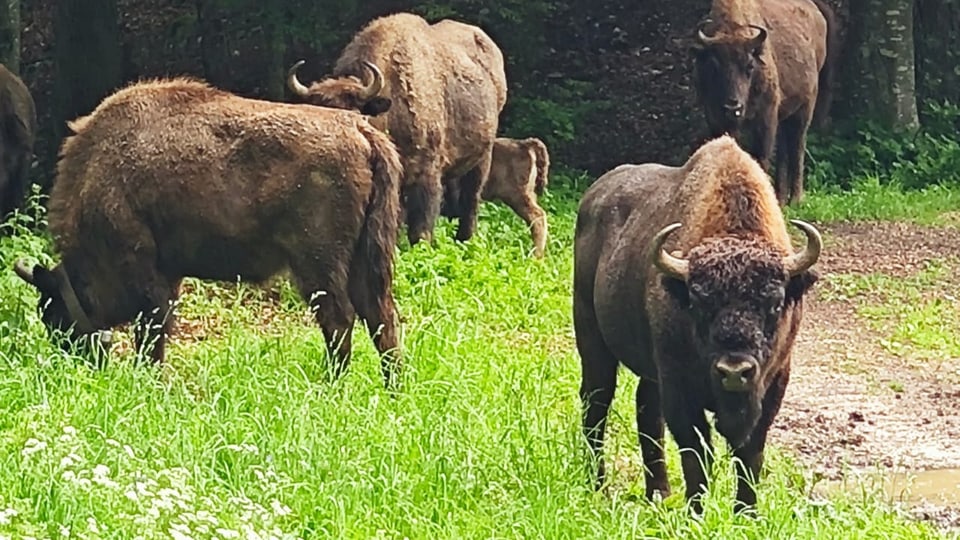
column 765, row 68
column 519, row 174
column 18, row 130
column 439, row 89
column 168, row 179
column 710, row 326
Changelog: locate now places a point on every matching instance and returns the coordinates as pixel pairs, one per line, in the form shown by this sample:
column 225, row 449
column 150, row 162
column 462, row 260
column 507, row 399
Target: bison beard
column 737, row 414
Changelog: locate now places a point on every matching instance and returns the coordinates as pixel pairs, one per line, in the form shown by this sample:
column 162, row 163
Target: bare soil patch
column 853, row 404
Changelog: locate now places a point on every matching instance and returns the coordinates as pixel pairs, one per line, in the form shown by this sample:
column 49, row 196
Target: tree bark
column 881, row 80
column 937, row 29
column 88, row 56
column 10, row 34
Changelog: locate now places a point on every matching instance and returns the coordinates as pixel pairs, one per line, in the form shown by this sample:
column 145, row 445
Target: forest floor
column 875, row 385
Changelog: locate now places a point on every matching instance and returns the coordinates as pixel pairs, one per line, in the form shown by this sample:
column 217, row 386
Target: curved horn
column 293, row 83
column 704, row 38
column 24, row 271
column 376, row 85
column 800, row 262
column 668, row 264
column 761, row 35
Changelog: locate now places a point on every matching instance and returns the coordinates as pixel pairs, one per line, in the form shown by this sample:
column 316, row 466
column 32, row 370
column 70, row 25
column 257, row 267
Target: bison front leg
column 422, row 194
column 471, row 188
column 650, row 429
column 749, row 457
column 598, row 382
column 764, row 138
column 793, row 133
column 690, row 430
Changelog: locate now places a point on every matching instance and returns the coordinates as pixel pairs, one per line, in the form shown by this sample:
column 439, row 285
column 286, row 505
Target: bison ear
column 676, row 289
column 799, row 285
column 376, row 106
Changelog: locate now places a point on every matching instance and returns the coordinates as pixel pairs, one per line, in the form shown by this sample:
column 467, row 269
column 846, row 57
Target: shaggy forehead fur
column 735, row 265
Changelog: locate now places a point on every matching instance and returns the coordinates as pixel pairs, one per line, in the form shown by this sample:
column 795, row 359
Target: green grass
column 917, row 315
column 871, row 200
column 238, row 437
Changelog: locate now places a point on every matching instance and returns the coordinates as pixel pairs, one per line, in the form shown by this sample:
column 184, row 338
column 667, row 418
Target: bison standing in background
column 173, row 178
column 767, row 67
column 440, row 89
column 708, row 327
column 18, row 129
column 519, row 173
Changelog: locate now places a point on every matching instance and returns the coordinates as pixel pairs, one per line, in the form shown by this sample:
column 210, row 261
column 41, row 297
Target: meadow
column 240, row 434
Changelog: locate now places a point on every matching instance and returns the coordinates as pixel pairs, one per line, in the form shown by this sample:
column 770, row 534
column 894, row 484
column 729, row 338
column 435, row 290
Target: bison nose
column 733, row 106
column 736, row 372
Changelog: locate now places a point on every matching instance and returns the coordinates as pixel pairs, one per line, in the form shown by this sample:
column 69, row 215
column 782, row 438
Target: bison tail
column 821, row 111
column 378, row 238
column 542, row 159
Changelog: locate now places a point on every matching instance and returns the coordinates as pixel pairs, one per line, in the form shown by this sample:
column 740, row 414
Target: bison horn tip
column 376, row 85
column 294, row 83
column 801, row 262
column 674, row 267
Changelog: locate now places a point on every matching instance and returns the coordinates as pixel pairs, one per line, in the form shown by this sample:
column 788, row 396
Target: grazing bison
column 710, row 326
column 440, row 89
column 19, row 128
column 765, row 67
column 518, row 174
column 174, row 178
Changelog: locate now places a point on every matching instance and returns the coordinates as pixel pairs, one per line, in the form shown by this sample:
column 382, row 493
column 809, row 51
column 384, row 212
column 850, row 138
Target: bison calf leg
column 527, row 208
column 471, row 188
column 650, row 428
column 749, row 457
column 690, row 430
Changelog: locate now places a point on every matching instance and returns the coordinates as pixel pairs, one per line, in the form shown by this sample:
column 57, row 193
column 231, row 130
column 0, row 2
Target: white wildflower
column 65, row 531
column 92, row 525
column 69, row 476
column 6, row 516
column 279, row 508
column 228, row 534
column 32, row 446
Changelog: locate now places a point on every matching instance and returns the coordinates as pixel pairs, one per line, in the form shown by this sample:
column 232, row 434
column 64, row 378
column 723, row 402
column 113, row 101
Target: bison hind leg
column 324, row 288
column 525, row 205
column 378, row 311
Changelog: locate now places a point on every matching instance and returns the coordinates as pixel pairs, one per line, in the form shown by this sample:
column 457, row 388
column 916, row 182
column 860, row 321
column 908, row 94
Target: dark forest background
column 602, row 82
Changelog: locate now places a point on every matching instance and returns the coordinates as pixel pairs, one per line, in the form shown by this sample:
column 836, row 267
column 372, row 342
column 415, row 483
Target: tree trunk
column 881, row 83
column 10, row 34
column 937, row 29
column 89, row 59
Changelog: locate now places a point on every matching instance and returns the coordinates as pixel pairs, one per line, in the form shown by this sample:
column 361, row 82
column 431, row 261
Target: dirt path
column 852, row 403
